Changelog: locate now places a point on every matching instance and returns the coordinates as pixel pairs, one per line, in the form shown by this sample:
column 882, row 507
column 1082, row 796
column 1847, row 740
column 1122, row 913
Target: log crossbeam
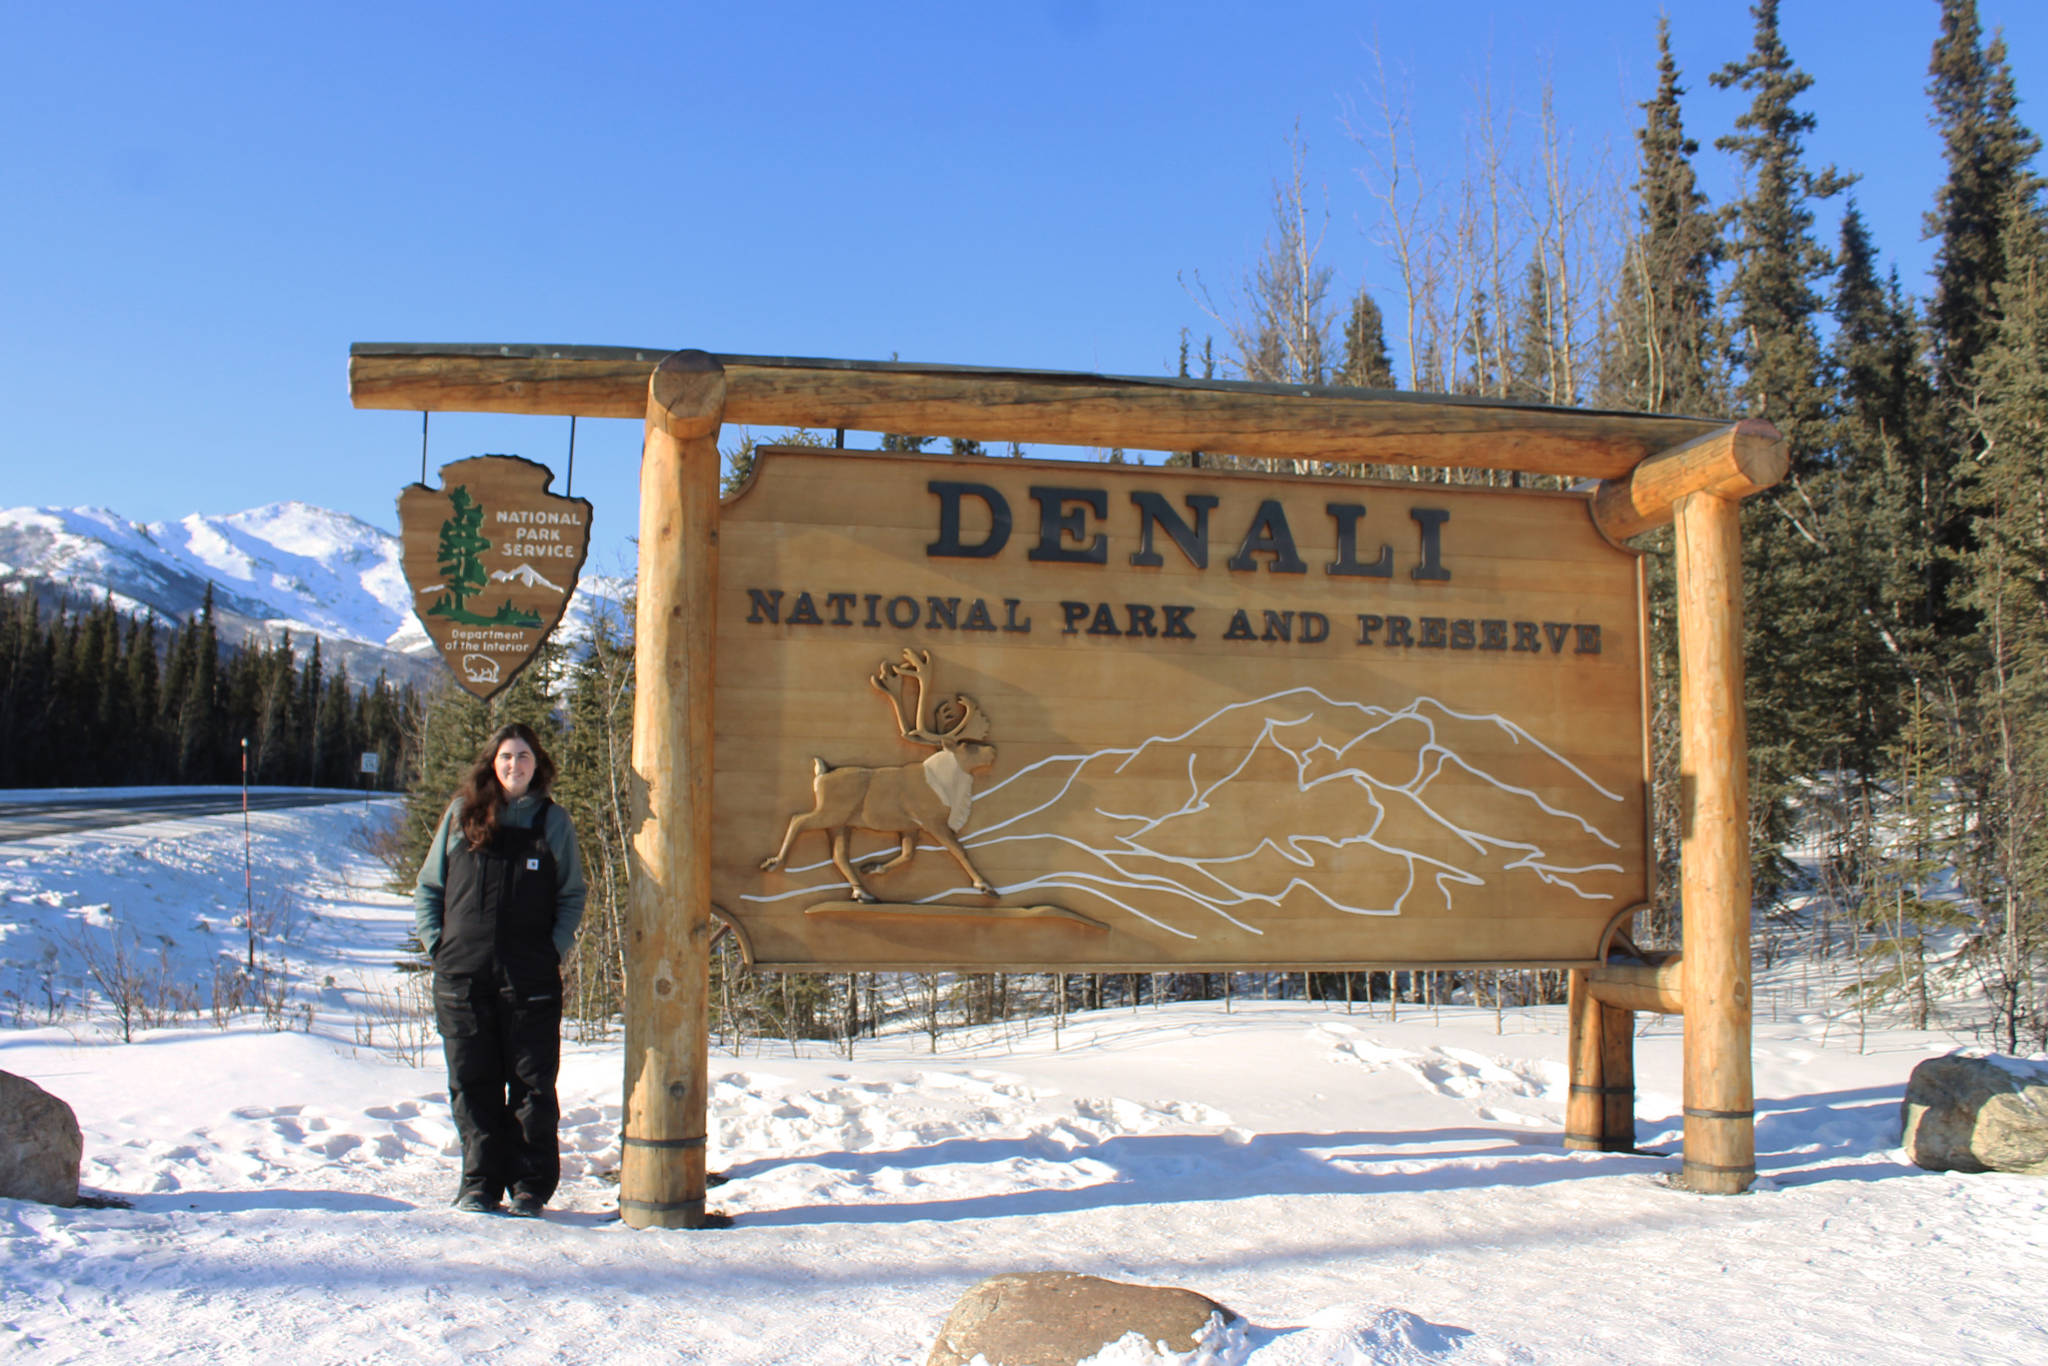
column 1654, row 985
column 1731, row 464
column 1292, row 422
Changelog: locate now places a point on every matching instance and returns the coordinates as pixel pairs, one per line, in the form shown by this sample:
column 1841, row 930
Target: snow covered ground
column 1361, row 1190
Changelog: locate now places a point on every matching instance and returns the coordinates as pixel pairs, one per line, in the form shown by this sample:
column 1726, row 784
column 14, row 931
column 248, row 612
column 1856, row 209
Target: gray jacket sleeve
column 570, row 890
column 428, row 892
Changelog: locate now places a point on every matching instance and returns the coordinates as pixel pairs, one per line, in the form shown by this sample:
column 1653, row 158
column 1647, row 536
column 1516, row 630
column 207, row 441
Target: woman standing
column 496, row 908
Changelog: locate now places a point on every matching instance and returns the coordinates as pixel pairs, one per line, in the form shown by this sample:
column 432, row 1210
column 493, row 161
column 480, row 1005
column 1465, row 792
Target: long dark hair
column 481, row 794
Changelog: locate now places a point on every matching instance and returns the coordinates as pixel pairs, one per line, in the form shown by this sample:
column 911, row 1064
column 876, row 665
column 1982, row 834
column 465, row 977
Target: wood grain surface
column 1295, row 422
column 1327, row 788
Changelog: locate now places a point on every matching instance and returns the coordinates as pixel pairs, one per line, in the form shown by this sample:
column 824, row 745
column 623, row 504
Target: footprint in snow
column 267, row 1112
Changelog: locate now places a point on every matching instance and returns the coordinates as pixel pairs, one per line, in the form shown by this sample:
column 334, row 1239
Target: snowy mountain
column 285, row 567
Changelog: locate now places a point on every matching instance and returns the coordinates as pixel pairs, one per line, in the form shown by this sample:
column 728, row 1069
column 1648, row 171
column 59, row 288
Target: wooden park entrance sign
column 976, row 714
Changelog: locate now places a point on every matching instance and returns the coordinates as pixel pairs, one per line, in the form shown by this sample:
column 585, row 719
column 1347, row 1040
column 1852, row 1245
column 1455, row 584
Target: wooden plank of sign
column 1306, row 423
column 794, row 687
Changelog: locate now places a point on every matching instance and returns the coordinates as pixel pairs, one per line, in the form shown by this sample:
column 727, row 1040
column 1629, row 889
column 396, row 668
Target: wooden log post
column 1720, row 1125
column 1617, row 1079
column 1600, row 1109
column 1585, row 1116
column 668, row 931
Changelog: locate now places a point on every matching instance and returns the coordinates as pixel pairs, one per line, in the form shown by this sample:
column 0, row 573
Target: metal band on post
column 695, row 1206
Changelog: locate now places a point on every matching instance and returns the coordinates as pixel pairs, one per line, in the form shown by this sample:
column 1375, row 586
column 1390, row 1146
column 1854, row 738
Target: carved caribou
column 932, row 796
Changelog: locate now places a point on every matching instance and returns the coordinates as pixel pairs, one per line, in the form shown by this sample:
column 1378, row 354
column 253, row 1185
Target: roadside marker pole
column 248, row 869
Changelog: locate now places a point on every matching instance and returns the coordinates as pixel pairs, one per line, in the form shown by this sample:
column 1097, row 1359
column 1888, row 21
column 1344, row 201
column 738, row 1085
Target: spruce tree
column 305, row 717
column 12, row 650
column 1664, row 354
column 1663, row 357
column 1532, row 368
column 98, row 738
column 39, row 741
column 1988, row 153
column 177, row 676
column 1798, row 679
column 273, row 748
column 2003, row 582
column 199, row 721
column 335, row 744
column 1871, row 550
column 1908, row 867
column 1884, row 425
column 738, row 461
column 385, row 721
column 144, row 761
column 1366, row 362
column 1185, row 459
column 25, row 659
column 596, row 786
column 1482, row 368
column 1777, row 263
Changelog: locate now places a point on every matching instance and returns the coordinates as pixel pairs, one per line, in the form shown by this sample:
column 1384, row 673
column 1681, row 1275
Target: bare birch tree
column 1278, row 322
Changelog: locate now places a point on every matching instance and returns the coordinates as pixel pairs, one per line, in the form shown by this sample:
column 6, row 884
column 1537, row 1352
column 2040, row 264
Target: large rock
column 40, row 1146
column 1978, row 1114
column 1058, row 1318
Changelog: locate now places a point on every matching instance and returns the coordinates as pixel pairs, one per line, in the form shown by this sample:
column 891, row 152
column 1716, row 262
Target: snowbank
column 1361, row 1190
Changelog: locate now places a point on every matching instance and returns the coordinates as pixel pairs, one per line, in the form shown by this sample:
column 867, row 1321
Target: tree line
column 1896, row 582
column 90, row 696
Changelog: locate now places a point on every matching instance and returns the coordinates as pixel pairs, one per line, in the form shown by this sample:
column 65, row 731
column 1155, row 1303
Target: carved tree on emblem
column 930, row 797
column 463, row 544
column 462, row 549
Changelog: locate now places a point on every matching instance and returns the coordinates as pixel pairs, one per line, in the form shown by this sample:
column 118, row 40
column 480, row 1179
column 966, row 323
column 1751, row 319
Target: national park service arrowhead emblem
column 492, row 559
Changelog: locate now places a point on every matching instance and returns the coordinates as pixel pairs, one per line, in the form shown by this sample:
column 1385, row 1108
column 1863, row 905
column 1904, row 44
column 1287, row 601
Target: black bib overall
column 498, row 1001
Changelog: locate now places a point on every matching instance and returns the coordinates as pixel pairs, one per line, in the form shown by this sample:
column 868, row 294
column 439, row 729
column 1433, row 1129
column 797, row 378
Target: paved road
column 27, row 820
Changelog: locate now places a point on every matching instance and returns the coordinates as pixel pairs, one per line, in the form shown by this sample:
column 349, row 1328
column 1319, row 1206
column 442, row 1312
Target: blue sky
column 206, row 204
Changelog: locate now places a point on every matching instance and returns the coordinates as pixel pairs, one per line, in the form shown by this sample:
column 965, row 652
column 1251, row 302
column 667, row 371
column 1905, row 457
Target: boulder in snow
column 1978, row 1114
column 1058, row 1318
column 40, row 1145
